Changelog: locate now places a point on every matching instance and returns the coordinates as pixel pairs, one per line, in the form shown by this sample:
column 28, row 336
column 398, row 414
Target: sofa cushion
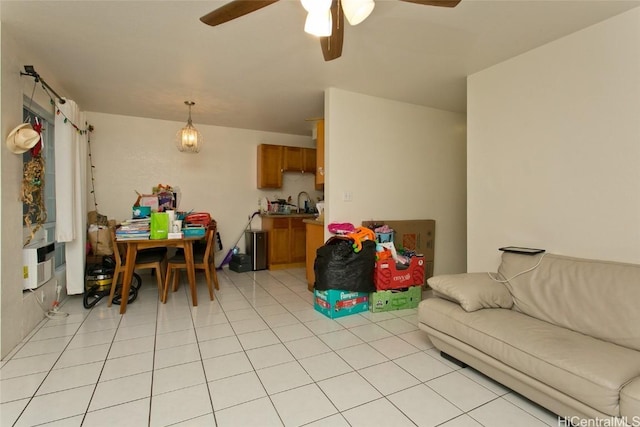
column 590, row 370
column 472, row 291
column 596, row 298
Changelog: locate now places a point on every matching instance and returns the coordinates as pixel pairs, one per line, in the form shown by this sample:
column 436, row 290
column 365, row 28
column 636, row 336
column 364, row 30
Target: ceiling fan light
column 319, row 23
column 357, row 11
column 312, row 6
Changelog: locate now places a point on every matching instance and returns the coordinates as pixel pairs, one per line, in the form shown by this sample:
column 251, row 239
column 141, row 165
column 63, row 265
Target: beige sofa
column 564, row 332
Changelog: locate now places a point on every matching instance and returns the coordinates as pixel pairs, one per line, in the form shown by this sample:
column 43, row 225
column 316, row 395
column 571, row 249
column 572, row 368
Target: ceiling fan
column 330, row 16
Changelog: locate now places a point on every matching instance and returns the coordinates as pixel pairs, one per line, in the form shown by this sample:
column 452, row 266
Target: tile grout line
column 255, row 371
column 341, row 358
column 34, row 395
column 241, row 288
column 153, row 359
column 204, row 371
column 104, row 363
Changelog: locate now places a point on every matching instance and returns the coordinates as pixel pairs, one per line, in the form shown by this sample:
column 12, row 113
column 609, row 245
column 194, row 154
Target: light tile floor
column 259, row 355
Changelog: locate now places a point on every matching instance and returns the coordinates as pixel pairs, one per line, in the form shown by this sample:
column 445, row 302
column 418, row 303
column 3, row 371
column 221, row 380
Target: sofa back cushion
column 596, row 298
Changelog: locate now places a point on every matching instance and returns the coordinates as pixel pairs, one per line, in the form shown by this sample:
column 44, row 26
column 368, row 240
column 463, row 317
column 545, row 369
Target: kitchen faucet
column 298, row 201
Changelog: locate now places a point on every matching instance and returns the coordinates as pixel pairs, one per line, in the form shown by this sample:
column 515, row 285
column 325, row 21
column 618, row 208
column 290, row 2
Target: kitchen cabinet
column 315, row 239
column 273, row 160
column 287, row 240
column 298, row 241
column 270, row 166
column 278, row 241
column 299, row 159
column 320, row 155
column 309, row 160
column 292, row 159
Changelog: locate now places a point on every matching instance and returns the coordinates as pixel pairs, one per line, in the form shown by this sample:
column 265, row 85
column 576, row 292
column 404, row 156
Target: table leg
column 132, row 251
column 191, row 273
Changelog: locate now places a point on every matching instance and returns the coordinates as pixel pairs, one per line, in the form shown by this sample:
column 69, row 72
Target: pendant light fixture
column 188, row 138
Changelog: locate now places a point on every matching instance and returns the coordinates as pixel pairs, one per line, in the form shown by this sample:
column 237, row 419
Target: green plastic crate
column 394, row 299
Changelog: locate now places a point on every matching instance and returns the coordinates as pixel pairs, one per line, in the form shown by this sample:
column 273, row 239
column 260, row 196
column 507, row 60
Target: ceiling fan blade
column 332, row 45
column 443, row 3
column 233, row 10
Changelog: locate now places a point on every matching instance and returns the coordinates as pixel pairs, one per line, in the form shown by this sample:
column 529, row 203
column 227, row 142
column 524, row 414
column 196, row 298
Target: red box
column 388, row 276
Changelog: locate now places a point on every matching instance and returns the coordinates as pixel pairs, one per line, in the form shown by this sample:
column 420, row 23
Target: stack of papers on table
column 134, row 229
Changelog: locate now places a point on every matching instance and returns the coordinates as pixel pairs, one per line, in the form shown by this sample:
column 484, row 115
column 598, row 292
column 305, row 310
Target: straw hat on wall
column 22, row 138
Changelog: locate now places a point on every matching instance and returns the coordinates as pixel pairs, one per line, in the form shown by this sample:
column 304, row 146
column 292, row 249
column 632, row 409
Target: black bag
column 338, row 266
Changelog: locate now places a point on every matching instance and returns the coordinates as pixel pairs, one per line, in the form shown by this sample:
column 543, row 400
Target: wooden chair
column 202, row 260
column 145, row 259
column 199, row 253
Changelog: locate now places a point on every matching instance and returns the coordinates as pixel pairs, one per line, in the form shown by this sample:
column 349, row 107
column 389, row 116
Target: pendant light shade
column 357, row 11
column 188, row 138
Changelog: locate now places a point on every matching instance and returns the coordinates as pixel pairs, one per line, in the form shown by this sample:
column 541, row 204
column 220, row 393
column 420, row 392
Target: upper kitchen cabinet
column 309, row 160
column 320, row 154
column 292, row 159
column 273, row 160
column 299, row 159
column 270, row 166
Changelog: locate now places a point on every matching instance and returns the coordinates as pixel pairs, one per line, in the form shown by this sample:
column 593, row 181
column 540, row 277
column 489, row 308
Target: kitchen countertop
column 291, row 215
column 313, row 221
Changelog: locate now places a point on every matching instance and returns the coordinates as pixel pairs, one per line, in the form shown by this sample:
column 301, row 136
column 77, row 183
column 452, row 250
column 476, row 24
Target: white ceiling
column 261, row 71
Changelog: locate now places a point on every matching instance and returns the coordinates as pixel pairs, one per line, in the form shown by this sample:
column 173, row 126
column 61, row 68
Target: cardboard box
column 338, row 303
column 428, row 272
column 415, row 235
column 395, row 299
column 388, row 276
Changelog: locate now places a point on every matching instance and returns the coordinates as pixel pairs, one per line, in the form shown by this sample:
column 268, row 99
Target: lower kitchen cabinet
column 287, row 240
column 298, row 240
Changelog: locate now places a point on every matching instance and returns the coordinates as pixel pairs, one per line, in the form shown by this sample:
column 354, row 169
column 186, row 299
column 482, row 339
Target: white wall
column 19, row 312
column 554, row 148
column 132, row 153
column 399, row 161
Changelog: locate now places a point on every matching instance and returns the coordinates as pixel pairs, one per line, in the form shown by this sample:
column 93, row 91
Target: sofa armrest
column 630, row 401
column 472, row 291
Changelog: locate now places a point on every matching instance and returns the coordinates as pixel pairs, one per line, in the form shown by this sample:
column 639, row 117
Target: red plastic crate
column 198, row 218
column 388, row 276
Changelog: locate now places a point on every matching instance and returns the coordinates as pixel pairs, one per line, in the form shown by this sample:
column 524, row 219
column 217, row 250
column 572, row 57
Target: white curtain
column 71, row 172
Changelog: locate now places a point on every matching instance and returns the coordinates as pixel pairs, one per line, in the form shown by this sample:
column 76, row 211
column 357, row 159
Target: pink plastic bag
column 341, row 228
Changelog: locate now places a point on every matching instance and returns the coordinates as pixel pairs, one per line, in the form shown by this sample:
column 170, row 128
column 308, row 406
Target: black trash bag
column 338, row 266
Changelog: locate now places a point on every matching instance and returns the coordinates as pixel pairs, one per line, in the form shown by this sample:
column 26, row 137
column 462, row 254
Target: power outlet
column 347, row 196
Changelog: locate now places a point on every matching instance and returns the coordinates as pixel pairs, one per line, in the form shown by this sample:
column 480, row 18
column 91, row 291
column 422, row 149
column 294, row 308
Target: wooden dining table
column 133, row 245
